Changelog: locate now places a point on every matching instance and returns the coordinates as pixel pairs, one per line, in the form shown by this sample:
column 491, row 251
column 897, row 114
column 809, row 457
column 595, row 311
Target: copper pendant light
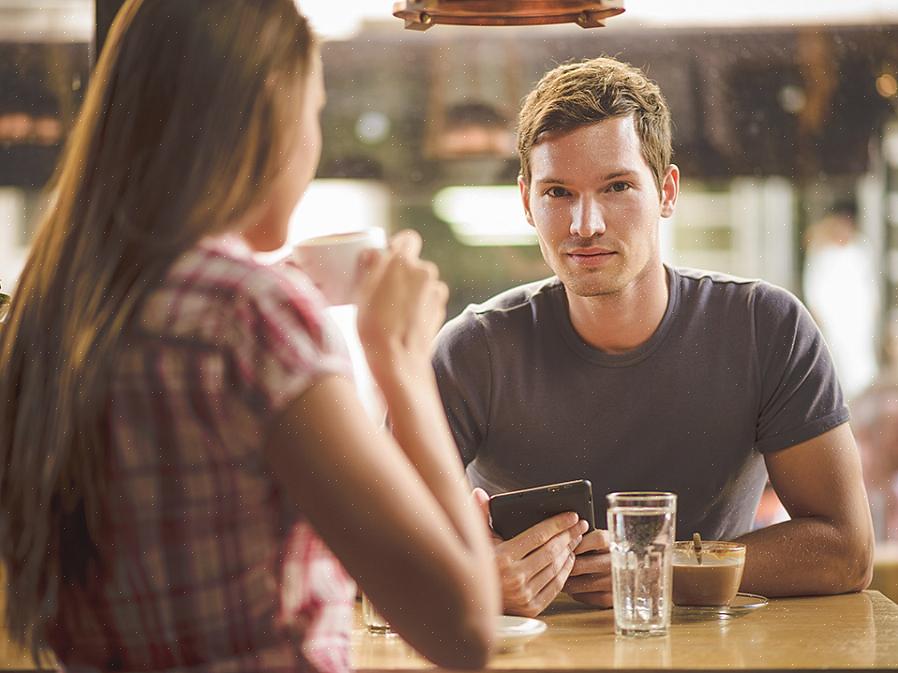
column 422, row 14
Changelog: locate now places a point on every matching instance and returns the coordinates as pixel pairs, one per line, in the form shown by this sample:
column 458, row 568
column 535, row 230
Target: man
column 639, row 376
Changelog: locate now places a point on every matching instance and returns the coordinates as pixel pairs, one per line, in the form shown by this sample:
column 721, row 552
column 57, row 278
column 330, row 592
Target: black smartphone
column 515, row 511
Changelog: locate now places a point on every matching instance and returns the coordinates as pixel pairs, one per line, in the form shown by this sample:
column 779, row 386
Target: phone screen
column 514, row 512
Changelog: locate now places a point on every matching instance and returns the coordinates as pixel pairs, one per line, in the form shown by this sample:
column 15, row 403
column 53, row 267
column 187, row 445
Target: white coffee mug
column 332, row 261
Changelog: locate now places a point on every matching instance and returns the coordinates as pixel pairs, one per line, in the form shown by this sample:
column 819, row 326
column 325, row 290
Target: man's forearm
column 807, row 556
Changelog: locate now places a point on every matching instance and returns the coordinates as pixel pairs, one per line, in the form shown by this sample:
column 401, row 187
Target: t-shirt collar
column 641, row 352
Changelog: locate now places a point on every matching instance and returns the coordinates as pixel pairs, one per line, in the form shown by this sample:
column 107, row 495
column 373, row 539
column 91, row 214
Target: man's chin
column 589, row 284
column 590, row 289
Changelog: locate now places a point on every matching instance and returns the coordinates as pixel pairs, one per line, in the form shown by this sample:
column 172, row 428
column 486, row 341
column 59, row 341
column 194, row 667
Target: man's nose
column 587, row 220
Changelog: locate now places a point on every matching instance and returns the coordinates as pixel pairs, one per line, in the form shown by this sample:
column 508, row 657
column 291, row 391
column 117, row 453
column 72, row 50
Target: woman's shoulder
column 230, row 266
column 220, row 284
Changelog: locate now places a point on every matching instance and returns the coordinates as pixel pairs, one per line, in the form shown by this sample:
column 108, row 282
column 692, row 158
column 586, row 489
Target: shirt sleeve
column 285, row 341
column 462, row 364
column 800, row 393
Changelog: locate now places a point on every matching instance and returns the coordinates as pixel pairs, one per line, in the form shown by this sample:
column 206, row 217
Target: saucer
column 741, row 605
column 515, row 632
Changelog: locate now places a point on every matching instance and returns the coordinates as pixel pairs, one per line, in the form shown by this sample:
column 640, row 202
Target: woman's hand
column 402, row 305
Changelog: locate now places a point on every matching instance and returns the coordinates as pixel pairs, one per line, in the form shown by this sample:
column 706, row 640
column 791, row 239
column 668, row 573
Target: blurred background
column 785, row 129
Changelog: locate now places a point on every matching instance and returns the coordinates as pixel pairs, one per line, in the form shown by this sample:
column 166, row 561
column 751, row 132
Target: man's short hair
column 576, row 94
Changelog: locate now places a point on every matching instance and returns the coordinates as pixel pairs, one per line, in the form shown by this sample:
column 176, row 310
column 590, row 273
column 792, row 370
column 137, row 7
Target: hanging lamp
column 422, row 14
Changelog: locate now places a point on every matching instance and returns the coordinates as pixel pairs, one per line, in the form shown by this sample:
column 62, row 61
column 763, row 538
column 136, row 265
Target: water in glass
column 641, row 554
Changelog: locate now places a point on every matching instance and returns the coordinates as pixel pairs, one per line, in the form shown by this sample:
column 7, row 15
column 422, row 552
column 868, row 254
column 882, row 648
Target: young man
column 639, row 376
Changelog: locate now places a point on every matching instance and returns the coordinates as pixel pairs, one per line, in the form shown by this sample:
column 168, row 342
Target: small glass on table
column 374, row 621
column 642, row 530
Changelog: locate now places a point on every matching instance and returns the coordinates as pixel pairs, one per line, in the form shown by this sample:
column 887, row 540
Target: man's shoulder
column 704, row 285
column 518, row 298
column 512, row 310
column 716, row 279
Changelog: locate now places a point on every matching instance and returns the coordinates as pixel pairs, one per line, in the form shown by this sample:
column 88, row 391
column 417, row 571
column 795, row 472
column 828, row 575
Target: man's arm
column 461, row 362
column 827, row 546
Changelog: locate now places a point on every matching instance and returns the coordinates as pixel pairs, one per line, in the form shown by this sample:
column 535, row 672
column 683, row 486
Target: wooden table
column 854, row 631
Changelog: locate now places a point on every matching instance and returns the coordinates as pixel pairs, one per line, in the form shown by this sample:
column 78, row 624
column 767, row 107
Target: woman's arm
column 429, row 571
column 395, row 509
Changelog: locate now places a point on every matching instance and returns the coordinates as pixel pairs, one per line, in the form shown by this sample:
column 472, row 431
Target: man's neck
column 620, row 322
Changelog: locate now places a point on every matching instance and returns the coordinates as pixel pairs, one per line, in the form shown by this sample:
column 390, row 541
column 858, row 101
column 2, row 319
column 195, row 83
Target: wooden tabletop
column 854, row 631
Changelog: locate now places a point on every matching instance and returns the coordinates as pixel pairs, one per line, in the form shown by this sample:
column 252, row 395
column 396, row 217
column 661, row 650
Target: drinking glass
column 374, row 621
column 642, row 530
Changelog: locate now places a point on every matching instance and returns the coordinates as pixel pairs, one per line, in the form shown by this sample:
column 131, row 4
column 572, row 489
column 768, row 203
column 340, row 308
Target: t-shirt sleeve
column 284, row 340
column 800, row 394
column 462, row 364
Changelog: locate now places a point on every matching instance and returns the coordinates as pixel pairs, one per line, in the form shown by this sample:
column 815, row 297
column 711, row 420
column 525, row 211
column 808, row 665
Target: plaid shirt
column 203, row 565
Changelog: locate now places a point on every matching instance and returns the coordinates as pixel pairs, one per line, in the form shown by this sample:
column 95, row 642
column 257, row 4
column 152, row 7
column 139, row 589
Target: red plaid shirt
column 204, row 565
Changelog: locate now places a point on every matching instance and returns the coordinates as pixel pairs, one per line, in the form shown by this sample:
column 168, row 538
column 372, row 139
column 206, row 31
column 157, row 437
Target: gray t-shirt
column 736, row 369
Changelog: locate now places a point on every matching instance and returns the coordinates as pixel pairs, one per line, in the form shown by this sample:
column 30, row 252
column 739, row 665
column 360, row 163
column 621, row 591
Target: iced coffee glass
column 710, row 577
column 642, row 530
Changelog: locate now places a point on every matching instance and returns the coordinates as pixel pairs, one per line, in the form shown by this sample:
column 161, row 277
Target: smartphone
column 515, row 511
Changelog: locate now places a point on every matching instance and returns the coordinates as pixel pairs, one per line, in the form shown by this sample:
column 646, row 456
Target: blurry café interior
column 785, row 130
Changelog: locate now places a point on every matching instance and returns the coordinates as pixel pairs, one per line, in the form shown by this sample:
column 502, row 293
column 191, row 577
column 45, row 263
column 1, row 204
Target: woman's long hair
column 185, row 126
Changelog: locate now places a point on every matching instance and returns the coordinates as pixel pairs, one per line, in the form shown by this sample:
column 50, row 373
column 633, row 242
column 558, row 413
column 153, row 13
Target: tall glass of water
column 642, row 530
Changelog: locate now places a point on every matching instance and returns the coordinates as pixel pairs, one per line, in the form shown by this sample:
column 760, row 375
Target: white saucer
column 513, row 633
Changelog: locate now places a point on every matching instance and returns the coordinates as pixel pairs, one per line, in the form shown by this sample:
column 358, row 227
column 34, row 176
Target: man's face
column 595, row 206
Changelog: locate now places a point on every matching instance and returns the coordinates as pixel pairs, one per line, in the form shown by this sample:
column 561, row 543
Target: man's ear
column 670, row 190
column 525, row 198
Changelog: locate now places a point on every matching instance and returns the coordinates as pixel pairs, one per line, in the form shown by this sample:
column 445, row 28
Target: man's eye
column 555, row 192
column 620, row 187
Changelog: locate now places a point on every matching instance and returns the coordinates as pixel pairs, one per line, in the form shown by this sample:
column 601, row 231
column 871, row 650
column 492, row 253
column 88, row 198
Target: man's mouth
column 590, row 257
column 590, row 252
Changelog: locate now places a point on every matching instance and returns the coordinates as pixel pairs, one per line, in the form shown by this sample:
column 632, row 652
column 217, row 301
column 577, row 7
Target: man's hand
column 590, row 578
column 534, row 565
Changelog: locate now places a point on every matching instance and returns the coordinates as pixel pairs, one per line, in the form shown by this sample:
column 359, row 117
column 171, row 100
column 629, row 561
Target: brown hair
column 189, row 117
column 577, row 94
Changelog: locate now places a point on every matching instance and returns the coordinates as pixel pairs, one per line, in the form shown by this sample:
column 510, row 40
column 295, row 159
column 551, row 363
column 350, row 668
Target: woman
column 178, row 422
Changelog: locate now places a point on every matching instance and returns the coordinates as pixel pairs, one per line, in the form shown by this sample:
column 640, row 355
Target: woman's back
column 197, row 534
